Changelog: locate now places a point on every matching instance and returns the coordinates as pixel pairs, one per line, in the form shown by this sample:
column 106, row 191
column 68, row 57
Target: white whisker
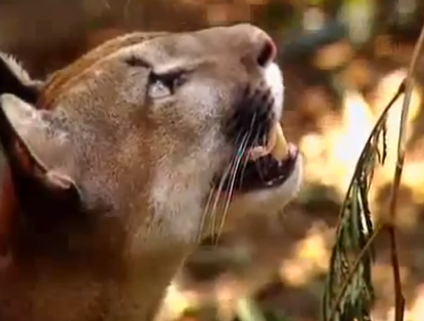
column 205, row 212
column 239, row 157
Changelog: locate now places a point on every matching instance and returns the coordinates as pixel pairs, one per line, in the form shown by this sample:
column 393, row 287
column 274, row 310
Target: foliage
column 349, row 292
column 353, row 233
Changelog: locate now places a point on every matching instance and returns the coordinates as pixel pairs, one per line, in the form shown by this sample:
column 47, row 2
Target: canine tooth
column 277, row 145
column 279, row 148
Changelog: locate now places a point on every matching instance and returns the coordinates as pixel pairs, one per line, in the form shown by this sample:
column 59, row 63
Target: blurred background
column 342, row 62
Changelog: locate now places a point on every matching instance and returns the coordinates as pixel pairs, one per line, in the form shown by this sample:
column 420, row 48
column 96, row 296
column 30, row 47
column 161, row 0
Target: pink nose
column 266, row 50
column 256, row 45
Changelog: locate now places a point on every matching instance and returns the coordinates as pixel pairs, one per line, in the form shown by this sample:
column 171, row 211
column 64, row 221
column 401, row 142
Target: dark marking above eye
column 168, row 78
column 134, row 61
column 172, row 80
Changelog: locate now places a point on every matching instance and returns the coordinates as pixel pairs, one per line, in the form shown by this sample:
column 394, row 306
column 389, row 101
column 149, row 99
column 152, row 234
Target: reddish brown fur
column 8, row 208
column 9, row 204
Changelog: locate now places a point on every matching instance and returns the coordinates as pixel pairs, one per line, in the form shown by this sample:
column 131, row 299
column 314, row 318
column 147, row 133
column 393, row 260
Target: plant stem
column 401, row 151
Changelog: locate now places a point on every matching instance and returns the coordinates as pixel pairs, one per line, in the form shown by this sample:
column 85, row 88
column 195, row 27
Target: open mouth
column 263, row 167
column 266, row 172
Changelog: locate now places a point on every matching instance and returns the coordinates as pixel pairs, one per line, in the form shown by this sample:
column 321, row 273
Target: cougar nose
column 265, row 49
column 254, row 44
column 259, row 49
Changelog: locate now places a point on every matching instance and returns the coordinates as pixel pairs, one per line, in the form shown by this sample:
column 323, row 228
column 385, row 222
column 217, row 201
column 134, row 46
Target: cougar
column 119, row 163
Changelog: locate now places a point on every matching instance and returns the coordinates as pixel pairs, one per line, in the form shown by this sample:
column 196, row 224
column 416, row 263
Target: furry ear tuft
column 15, row 80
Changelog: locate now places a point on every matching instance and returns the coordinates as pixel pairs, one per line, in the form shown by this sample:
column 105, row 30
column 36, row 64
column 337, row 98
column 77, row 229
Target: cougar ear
column 15, row 80
column 24, row 132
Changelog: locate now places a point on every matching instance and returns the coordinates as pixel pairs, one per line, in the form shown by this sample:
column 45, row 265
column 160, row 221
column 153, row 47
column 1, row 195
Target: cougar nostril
column 267, row 53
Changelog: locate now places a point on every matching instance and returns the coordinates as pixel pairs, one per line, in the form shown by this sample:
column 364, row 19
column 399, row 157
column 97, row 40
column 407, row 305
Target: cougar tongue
column 277, row 145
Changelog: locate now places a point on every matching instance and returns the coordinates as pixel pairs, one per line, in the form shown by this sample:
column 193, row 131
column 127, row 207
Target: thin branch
column 358, row 168
column 401, row 151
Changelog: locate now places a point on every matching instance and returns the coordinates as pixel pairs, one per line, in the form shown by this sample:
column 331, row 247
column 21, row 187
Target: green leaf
column 353, row 233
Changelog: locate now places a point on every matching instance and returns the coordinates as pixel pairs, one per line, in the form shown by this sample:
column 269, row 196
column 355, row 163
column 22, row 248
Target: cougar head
column 124, row 146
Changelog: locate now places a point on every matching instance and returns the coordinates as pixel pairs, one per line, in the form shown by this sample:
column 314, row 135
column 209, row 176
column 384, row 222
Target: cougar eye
column 163, row 85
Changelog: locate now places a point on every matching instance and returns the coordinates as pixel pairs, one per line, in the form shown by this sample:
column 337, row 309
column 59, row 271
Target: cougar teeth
column 277, row 145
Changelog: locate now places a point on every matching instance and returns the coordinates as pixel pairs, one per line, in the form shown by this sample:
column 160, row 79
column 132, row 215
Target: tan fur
column 144, row 168
column 65, row 78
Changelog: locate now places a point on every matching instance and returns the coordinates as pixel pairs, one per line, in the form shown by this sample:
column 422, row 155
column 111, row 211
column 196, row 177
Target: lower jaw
column 265, row 173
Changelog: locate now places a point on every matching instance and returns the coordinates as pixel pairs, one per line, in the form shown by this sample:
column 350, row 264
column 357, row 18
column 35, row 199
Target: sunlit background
column 342, row 61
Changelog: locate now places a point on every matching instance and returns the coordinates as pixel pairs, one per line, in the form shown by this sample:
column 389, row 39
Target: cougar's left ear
column 15, row 80
column 27, row 135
